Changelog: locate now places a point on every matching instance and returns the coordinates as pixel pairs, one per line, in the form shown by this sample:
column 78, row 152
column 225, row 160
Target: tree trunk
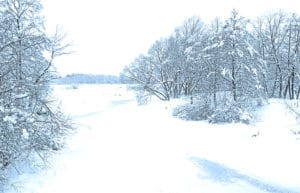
column 233, row 81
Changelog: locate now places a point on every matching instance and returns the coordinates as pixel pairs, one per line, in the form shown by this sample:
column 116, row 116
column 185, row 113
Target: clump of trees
column 225, row 66
column 30, row 124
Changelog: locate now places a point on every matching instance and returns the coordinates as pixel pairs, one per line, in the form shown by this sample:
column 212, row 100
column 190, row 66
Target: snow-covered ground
column 123, row 147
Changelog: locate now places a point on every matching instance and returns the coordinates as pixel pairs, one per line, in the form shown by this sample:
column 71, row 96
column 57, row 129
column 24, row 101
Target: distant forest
column 88, row 79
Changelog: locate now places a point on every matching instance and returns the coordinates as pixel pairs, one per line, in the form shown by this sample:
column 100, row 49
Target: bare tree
column 212, row 57
column 191, row 43
column 274, row 36
column 291, row 53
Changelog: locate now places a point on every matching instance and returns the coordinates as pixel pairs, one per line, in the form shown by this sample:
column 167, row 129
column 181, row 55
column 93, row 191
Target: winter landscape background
column 211, row 107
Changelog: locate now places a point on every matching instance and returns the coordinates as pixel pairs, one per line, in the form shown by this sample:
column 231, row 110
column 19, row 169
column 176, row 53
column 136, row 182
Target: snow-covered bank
column 123, row 147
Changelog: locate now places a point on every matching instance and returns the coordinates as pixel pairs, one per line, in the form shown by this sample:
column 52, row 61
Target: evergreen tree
column 242, row 67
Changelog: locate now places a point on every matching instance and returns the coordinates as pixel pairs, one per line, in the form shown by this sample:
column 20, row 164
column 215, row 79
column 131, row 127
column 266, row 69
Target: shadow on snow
column 222, row 174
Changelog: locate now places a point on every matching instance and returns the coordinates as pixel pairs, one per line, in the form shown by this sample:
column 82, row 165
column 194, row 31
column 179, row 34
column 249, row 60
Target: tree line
column 88, row 79
column 235, row 58
column 30, row 124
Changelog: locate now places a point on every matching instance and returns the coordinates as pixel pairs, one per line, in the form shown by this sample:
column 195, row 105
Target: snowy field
column 121, row 147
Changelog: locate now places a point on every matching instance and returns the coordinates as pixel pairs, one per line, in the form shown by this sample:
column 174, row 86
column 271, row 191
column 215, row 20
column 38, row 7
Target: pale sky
column 109, row 34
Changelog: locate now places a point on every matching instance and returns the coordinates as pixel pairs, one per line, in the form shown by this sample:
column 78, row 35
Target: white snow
column 221, row 43
column 123, row 147
column 240, row 53
column 11, row 119
column 25, row 133
column 188, row 50
column 224, row 71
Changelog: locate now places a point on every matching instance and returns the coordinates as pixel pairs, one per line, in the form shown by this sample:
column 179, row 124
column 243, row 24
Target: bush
column 227, row 111
column 229, row 114
column 196, row 111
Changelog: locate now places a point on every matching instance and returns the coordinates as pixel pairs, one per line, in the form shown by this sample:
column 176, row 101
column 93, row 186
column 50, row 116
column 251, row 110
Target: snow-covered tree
column 172, row 66
column 271, row 32
column 212, row 57
column 242, row 67
column 291, row 49
column 190, row 36
column 143, row 72
column 277, row 40
column 30, row 123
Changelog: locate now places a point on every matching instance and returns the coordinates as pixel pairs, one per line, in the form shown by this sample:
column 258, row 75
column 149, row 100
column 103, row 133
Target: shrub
column 227, row 110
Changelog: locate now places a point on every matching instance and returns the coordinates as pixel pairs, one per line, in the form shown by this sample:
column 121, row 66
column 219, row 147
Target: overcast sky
column 109, row 34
